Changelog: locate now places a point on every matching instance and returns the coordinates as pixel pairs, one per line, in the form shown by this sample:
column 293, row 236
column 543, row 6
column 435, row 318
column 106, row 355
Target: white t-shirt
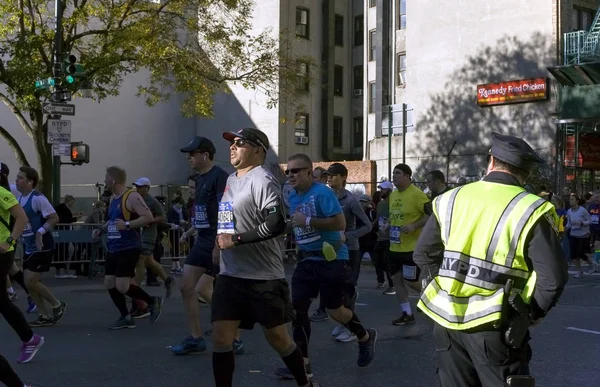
column 39, row 204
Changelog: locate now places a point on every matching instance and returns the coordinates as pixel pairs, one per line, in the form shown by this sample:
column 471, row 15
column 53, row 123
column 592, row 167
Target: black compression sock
column 356, row 327
column 119, row 301
column 223, row 367
column 295, row 363
column 137, row 293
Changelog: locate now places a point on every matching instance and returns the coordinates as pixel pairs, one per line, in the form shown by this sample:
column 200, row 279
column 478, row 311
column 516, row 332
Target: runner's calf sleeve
column 356, row 327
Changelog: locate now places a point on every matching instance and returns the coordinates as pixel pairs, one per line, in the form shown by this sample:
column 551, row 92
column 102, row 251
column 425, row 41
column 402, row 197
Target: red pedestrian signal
column 80, row 153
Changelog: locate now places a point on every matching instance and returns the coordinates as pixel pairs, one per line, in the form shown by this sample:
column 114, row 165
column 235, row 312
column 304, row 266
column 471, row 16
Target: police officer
column 497, row 268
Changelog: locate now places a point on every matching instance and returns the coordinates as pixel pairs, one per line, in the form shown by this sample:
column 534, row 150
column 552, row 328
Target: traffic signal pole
column 57, row 73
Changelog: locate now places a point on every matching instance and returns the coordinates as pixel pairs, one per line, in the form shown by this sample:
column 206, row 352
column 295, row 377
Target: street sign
column 63, row 149
column 59, row 132
column 61, row 96
column 58, row 108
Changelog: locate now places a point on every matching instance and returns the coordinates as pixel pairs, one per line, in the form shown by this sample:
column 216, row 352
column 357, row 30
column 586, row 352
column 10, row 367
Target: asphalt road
column 81, row 351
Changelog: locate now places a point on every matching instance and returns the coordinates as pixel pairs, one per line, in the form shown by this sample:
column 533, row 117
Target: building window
column 338, row 129
column 301, row 127
column 372, row 93
column 401, row 69
column 302, row 20
column 402, row 15
column 358, row 77
column 338, row 81
column 582, row 18
column 372, row 3
column 372, row 37
column 359, row 30
column 303, row 76
column 357, row 132
column 339, row 30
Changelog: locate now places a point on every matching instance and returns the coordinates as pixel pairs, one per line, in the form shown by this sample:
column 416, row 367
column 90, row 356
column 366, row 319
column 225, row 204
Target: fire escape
column 578, row 108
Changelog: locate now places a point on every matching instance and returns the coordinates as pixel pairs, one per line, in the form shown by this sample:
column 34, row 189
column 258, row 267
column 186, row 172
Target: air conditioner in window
column 357, row 92
column 301, row 140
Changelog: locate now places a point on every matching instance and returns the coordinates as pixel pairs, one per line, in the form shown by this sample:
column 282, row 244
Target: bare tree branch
column 17, row 112
column 14, row 145
column 86, row 33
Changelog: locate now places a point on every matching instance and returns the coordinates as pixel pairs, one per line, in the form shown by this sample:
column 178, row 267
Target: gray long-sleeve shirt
column 352, row 210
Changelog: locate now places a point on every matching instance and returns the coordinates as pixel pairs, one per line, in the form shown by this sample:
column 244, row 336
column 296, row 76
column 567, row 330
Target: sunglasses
column 294, row 171
column 240, row 142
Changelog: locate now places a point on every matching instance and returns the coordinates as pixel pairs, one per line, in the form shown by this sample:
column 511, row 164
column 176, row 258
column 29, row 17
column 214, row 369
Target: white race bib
column 225, row 224
column 201, row 217
column 395, row 234
column 113, row 231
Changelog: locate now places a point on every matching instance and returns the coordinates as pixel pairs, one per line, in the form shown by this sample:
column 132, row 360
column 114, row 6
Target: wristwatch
column 127, row 226
column 11, row 241
column 236, row 239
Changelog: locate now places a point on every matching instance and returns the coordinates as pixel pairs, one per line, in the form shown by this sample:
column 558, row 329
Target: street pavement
column 81, row 351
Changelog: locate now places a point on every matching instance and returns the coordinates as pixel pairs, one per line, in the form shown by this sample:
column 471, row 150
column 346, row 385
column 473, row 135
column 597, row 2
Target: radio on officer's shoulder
column 520, row 381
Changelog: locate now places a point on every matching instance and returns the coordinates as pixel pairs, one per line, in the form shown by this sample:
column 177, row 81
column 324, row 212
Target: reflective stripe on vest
column 484, row 247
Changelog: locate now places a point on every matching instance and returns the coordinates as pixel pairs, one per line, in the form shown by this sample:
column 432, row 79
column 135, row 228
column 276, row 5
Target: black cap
column 514, row 151
column 337, row 169
column 4, row 169
column 251, row 135
column 201, row 144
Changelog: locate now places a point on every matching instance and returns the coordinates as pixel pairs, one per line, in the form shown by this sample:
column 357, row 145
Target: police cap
column 514, row 151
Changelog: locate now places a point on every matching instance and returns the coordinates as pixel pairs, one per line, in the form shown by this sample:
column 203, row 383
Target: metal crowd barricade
column 172, row 248
column 74, row 245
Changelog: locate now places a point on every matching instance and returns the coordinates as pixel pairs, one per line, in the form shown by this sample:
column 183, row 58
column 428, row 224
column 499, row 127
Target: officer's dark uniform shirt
column 435, row 195
column 543, row 251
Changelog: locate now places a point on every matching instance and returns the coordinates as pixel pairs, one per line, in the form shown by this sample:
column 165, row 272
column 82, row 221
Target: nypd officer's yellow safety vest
column 483, row 227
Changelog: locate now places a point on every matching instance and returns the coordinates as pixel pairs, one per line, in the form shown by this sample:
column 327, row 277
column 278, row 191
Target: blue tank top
column 119, row 240
column 36, row 220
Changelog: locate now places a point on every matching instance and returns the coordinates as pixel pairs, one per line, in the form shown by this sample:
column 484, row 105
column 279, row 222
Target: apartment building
column 444, row 60
column 326, row 123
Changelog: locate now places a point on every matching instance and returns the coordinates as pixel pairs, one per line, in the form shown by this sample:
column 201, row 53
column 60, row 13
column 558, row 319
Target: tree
column 195, row 47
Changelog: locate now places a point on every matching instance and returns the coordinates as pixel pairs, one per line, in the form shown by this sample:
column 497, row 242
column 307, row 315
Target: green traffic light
column 70, row 79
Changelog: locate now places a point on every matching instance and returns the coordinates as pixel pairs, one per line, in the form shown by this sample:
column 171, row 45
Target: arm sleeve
column 545, row 255
column 429, row 251
column 364, row 219
column 41, row 204
column 267, row 196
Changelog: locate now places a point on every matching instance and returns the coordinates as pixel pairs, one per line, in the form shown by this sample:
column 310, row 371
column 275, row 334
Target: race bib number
column 225, row 222
column 113, row 231
column 27, row 231
column 395, row 234
column 595, row 219
column 306, row 235
column 201, row 217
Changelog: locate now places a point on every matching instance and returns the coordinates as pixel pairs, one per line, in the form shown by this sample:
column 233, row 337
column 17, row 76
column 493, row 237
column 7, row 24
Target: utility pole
column 390, row 133
column 56, row 94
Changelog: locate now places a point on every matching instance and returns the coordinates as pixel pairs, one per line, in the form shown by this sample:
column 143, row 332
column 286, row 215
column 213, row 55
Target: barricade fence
column 75, row 250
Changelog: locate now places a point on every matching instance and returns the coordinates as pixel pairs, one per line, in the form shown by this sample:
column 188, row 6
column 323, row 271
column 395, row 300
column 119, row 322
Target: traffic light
column 80, row 153
column 72, row 69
